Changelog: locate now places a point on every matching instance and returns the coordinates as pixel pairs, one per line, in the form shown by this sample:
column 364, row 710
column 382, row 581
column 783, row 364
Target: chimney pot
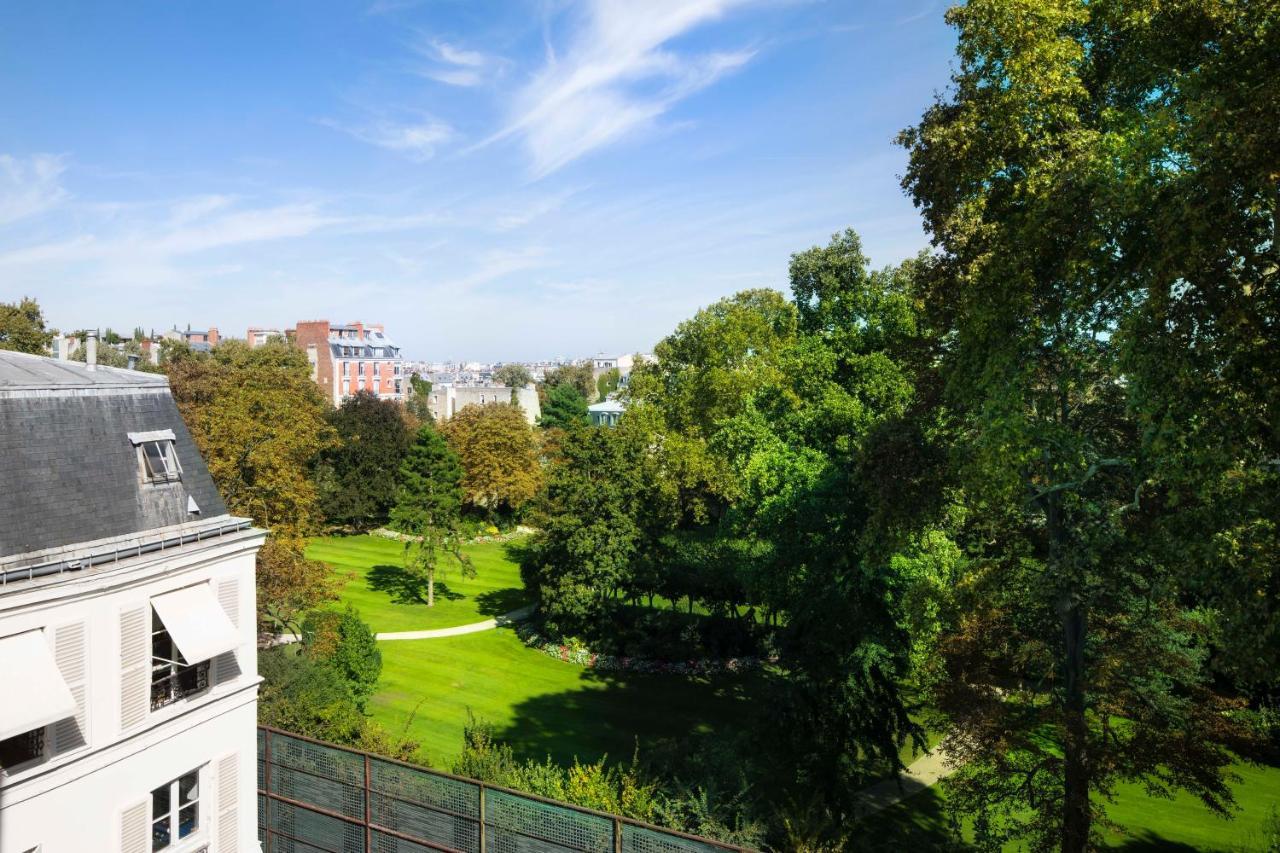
column 91, row 349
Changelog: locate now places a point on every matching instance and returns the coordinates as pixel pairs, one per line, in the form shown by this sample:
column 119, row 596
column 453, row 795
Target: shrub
column 344, row 642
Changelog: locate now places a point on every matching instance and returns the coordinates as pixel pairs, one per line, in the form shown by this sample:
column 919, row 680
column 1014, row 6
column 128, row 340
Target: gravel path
column 922, row 773
column 473, row 628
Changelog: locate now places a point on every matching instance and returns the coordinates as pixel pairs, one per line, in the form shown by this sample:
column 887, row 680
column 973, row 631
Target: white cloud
column 615, row 78
column 29, row 186
column 498, row 264
column 456, row 66
column 416, row 140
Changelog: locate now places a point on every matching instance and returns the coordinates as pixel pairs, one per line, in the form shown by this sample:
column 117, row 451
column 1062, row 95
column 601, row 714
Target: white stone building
column 448, row 399
column 127, row 635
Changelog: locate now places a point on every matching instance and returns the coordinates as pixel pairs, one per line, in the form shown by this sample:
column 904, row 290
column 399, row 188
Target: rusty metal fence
column 315, row 797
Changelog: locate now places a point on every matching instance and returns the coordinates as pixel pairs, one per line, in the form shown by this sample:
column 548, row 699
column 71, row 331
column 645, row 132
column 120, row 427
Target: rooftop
column 21, row 374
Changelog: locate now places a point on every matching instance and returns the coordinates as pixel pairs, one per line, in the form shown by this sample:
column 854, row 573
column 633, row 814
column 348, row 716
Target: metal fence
column 315, row 797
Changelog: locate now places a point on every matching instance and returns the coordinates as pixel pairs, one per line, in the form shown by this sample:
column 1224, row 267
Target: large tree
column 579, row 375
column 1096, row 172
column 22, row 327
column 513, row 375
column 564, row 408
column 501, row 472
column 358, row 475
column 259, row 422
column 429, row 509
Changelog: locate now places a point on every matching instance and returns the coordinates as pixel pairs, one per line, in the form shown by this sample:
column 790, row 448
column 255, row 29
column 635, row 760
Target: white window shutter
column 225, row 666
column 228, row 814
column 71, row 651
column 135, row 666
column 133, row 829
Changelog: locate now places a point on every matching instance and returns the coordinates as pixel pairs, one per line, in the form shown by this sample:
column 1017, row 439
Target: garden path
column 456, row 630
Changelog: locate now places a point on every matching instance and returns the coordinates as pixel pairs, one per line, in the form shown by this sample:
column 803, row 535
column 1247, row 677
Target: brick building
column 351, row 358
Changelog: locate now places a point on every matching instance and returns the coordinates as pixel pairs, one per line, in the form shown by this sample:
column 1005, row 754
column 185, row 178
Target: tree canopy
column 358, row 473
column 501, row 471
column 564, row 408
column 513, row 375
column 22, row 327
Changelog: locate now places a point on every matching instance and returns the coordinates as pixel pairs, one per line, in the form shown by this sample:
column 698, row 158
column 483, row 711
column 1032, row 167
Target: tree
column 418, row 402
column 22, row 327
column 358, row 474
column 588, row 533
column 259, row 422
column 565, row 408
column 1062, row 179
column 346, row 643
column 429, row 507
column 499, row 457
column 512, row 375
column 607, row 383
column 579, row 375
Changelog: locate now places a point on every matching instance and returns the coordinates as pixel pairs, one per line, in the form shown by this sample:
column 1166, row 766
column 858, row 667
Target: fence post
column 368, row 811
column 266, row 785
column 617, row 834
column 483, row 834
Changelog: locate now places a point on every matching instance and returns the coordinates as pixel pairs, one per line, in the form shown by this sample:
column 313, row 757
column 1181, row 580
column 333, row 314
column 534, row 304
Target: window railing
column 185, row 681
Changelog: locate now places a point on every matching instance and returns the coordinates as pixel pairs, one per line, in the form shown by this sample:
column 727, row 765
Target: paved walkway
column 923, row 772
column 457, row 630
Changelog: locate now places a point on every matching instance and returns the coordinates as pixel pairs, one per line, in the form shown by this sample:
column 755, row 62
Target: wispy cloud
column 614, row 78
column 416, row 140
column 497, row 264
column 454, row 65
column 29, row 186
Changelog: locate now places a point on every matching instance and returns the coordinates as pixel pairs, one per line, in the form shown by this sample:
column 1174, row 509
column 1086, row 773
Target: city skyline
column 497, row 183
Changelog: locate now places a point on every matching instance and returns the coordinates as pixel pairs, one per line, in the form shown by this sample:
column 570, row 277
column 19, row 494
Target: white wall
column 72, row 801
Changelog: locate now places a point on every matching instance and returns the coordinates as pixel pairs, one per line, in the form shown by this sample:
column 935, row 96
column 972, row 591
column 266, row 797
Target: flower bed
column 582, row 656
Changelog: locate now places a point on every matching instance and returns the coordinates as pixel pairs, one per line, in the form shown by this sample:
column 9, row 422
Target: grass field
column 374, row 581
column 1179, row 825
column 539, row 705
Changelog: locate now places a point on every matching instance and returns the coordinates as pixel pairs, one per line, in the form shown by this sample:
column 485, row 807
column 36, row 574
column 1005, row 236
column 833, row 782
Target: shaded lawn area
column 539, row 705
column 375, row 583
column 1151, row 823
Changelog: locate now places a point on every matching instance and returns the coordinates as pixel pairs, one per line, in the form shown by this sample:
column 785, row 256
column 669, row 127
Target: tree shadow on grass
column 1146, row 841
column 405, row 588
column 499, row 601
column 516, row 550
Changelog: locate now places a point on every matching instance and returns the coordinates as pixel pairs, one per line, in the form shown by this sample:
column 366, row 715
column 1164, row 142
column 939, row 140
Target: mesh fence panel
column 458, row 833
column 521, row 824
column 425, row 789
column 297, row 829
column 640, row 839
column 433, row 812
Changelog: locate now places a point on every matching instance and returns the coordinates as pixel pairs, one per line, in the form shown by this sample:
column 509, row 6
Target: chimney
column 64, row 347
column 91, row 349
column 133, row 361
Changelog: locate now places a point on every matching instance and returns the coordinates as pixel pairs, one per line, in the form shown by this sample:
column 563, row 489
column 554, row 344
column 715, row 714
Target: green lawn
column 374, row 581
column 1180, row 824
column 540, row 705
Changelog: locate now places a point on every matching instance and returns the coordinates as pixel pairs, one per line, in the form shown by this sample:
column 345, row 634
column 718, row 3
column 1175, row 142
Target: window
column 175, row 810
column 20, row 749
column 172, row 677
column 346, row 368
column 159, row 461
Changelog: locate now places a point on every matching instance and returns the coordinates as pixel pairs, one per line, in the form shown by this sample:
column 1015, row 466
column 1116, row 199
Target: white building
column 127, row 631
column 606, row 413
column 448, row 399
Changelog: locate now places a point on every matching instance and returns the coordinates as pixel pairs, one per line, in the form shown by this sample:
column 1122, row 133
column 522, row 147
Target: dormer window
column 157, row 457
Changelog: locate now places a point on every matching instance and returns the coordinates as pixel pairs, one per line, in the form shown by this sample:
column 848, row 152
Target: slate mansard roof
column 69, row 473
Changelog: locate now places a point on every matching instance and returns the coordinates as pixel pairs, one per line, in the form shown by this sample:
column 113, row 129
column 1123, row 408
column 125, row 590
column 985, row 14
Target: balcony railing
column 182, row 682
column 315, row 796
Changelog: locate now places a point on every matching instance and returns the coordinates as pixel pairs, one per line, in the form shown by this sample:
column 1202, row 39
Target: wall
column 118, row 768
column 316, row 333
column 448, row 400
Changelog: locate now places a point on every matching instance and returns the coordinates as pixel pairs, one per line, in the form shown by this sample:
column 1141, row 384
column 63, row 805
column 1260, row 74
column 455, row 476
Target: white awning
column 196, row 622
column 37, row 695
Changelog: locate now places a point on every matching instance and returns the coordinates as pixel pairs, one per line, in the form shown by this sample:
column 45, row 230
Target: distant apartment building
column 448, row 399
column 200, row 340
column 258, row 337
column 127, row 630
column 352, row 358
column 624, row 364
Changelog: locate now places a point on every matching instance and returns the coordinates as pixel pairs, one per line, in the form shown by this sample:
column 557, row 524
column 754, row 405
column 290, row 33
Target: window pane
column 160, row 834
column 160, row 802
column 156, row 463
column 188, row 820
column 189, row 787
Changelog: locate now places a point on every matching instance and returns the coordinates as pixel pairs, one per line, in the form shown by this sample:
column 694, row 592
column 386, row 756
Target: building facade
column 200, row 340
column 257, row 337
column 127, row 630
column 447, row 399
column 351, row 358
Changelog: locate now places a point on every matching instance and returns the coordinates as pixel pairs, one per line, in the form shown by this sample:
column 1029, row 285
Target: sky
column 492, row 181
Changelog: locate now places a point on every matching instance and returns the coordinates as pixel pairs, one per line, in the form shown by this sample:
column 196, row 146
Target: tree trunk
column 431, row 589
column 1075, row 801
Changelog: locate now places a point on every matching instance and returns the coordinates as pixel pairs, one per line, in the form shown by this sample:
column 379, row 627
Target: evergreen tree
column 358, row 475
column 428, row 509
column 565, row 408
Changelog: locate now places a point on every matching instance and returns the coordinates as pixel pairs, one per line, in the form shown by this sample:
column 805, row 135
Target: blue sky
column 491, row 180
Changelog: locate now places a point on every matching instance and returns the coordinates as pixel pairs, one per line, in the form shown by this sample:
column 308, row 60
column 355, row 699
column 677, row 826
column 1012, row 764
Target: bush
column 346, row 643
